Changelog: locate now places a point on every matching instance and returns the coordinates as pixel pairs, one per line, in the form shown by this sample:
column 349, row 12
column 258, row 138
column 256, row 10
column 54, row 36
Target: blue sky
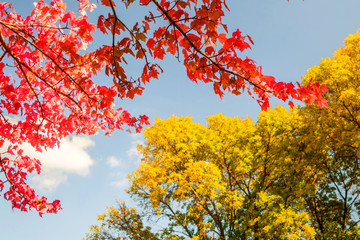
column 89, row 173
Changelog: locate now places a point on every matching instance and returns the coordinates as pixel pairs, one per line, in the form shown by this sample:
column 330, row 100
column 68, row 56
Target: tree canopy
column 230, row 179
column 48, row 74
column 334, row 136
column 294, row 174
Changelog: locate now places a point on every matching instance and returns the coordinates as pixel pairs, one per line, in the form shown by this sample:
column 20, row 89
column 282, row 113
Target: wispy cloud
column 114, row 161
column 132, row 152
column 122, row 183
column 128, row 162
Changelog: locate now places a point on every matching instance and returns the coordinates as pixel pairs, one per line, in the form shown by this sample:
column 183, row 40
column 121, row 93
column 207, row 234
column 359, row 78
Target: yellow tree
column 230, row 179
column 332, row 139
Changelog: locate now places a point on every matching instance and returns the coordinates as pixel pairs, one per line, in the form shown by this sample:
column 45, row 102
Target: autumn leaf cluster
column 48, row 83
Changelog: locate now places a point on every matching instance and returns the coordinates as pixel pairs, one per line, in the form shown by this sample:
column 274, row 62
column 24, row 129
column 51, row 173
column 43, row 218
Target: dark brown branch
column 131, row 33
column 50, row 58
column 2, row 40
column 14, row 188
column 173, row 22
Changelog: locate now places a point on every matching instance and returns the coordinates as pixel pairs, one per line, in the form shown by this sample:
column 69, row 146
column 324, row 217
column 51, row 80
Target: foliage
column 230, row 179
column 126, row 219
column 293, row 175
column 47, row 81
column 335, row 134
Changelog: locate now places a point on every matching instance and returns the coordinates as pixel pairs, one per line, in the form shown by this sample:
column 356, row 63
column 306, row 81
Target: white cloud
column 49, row 179
column 132, row 152
column 114, row 162
column 58, row 163
column 128, row 162
column 123, row 183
